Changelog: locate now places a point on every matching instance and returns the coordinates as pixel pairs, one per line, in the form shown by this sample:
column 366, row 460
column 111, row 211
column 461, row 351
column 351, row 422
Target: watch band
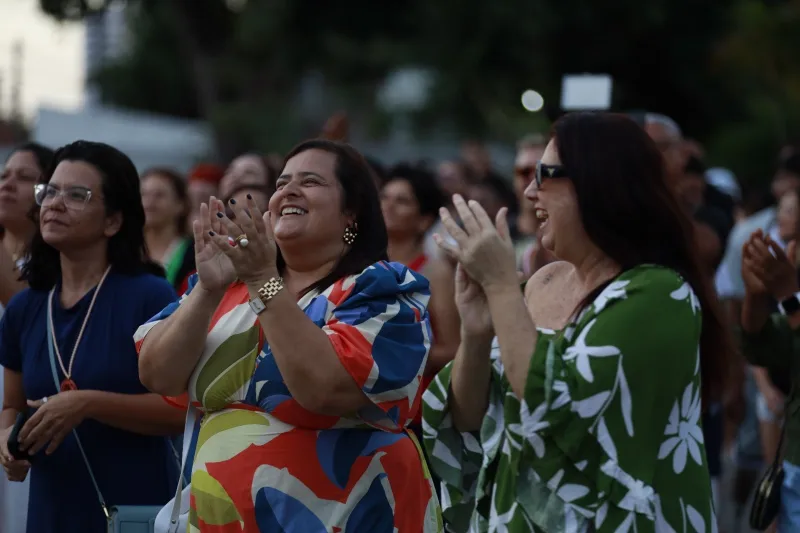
column 266, row 292
column 790, row 305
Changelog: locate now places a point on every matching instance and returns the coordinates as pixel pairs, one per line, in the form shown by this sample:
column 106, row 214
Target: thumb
column 791, row 252
column 501, row 223
column 521, row 276
column 461, row 278
column 35, row 403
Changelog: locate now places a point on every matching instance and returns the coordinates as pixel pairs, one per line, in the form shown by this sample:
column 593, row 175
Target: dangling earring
column 350, row 234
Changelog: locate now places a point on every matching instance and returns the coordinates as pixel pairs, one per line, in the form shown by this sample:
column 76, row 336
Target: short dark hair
column 126, row 251
column 360, row 197
column 629, row 212
column 423, row 183
column 179, row 187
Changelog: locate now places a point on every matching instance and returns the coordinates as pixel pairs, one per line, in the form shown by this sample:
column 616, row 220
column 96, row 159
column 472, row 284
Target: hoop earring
column 350, row 234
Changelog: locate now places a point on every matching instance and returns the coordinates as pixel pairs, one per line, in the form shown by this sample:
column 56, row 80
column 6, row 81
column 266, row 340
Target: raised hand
column 214, row 268
column 484, row 251
column 771, row 266
column 473, row 308
column 254, row 252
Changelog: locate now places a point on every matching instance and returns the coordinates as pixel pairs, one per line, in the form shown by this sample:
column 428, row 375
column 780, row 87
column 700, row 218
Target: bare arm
column 306, row 358
column 516, row 333
column 469, row 383
column 146, row 414
column 173, row 347
column 10, row 283
column 13, row 398
column 755, row 313
column 444, row 317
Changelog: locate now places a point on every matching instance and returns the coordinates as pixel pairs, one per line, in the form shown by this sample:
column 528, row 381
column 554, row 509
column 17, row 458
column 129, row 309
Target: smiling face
column 560, row 226
column 81, row 220
column 306, row 210
column 20, row 174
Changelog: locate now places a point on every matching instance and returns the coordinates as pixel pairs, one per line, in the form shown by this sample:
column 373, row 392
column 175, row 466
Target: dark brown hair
column 179, row 187
column 629, row 212
column 360, row 197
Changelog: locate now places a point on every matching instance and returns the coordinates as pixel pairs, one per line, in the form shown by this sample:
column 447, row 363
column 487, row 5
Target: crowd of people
column 404, row 348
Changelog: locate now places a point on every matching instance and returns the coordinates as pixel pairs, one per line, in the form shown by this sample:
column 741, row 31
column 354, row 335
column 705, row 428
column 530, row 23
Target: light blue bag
column 122, row 518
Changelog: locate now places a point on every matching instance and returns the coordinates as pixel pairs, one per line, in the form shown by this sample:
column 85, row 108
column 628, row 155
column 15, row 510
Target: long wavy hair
column 360, row 198
column 629, row 212
column 126, row 252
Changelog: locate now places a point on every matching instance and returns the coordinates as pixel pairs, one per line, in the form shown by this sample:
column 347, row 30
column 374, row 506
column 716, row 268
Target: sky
column 53, row 60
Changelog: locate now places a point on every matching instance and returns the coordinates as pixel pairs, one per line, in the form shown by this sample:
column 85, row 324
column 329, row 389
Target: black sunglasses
column 548, row 171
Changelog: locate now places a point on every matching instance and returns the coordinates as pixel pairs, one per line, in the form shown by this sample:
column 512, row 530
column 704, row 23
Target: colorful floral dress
column 264, row 464
column 608, row 437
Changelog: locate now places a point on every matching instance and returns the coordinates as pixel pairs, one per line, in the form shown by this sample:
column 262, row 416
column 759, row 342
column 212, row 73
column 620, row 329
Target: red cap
column 207, row 172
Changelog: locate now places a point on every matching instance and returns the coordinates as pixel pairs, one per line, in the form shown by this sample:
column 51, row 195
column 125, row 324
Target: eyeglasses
column 75, row 198
column 548, row 171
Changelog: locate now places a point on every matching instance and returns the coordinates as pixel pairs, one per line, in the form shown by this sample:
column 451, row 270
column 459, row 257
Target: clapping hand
column 253, row 252
column 484, row 250
column 767, row 269
column 214, row 268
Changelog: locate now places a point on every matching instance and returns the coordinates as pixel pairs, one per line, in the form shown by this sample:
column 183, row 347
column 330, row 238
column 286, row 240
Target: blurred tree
column 241, row 64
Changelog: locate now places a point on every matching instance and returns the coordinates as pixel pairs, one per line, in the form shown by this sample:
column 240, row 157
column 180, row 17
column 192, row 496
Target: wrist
column 258, row 281
column 475, row 338
column 86, row 401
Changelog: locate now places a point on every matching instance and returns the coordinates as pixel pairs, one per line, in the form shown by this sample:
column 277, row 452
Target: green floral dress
column 608, row 437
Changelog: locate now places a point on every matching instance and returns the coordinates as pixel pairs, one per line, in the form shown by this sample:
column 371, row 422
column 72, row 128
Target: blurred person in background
column 166, row 208
column 770, row 319
column 530, row 256
column 203, row 184
column 23, row 169
column 247, row 169
column 259, row 193
column 756, row 383
column 410, row 202
column 91, row 285
column 453, row 177
column 724, row 181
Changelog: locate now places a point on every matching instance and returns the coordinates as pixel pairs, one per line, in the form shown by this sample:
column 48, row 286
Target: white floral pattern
column 573, row 449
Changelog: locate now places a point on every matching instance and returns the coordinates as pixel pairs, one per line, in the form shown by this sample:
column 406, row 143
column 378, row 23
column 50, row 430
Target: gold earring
column 350, row 234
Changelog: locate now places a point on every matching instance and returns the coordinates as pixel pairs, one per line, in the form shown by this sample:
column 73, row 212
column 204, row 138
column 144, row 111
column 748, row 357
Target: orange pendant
column 68, row 384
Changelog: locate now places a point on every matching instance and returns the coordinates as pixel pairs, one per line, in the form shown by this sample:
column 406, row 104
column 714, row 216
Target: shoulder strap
column 188, row 434
column 74, row 432
column 782, row 442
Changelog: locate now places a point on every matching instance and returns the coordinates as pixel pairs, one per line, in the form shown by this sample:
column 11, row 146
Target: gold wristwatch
column 266, row 293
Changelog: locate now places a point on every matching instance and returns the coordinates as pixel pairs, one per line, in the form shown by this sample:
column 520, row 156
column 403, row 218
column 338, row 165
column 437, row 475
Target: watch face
column 257, row 305
column 791, row 305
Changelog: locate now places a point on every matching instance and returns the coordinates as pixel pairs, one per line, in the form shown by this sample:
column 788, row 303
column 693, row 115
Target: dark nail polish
column 211, row 233
column 219, row 215
column 233, row 201
column 249, row 197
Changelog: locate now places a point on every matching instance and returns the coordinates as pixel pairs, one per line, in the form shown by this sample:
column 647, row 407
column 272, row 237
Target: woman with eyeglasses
column 587, row 416
column 66, row 343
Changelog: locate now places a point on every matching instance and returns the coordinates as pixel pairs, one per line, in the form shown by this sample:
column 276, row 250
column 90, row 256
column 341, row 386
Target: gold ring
column 242, row 241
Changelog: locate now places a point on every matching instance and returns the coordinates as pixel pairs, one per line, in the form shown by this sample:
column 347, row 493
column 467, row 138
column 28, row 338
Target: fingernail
column 233, row 201
column 249, row 197
column 219, row 215
column 211, row 233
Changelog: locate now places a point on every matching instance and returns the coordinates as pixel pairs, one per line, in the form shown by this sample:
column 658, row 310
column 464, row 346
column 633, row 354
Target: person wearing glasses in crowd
column 70, row 361
column 588, row 419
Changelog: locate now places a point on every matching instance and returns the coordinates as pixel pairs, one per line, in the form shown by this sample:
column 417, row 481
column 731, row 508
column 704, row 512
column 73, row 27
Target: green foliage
column 726, row 70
